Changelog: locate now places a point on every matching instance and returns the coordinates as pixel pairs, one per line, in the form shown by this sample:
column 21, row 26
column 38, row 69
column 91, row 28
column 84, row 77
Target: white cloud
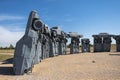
column 8, row 37
column 10, row 17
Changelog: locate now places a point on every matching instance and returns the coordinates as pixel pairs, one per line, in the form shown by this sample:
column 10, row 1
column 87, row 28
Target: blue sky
column 86, row 17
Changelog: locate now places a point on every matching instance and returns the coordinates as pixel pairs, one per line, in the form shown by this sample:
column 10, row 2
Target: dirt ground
column 83, row 66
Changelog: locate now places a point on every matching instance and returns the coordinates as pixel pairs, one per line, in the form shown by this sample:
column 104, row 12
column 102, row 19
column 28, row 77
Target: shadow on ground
column 4, row 70
column 8, row 61
column 114, row 54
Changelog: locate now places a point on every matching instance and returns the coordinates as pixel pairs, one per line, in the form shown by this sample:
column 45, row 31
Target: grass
column 11, row 51
column 5, row 57
column 5, row 54
column 7, row 51
column 113, row 47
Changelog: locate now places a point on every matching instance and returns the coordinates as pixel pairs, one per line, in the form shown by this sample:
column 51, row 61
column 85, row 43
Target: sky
column 87, row 17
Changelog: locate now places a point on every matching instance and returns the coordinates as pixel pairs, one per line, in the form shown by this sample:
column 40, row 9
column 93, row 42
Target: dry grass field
column 4, row 57
column 7, row 51
column 6, row 54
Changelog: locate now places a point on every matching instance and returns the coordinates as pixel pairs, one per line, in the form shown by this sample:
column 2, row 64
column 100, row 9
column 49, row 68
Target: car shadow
column 8, row 61
column 6, row 70
column 114, row 54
